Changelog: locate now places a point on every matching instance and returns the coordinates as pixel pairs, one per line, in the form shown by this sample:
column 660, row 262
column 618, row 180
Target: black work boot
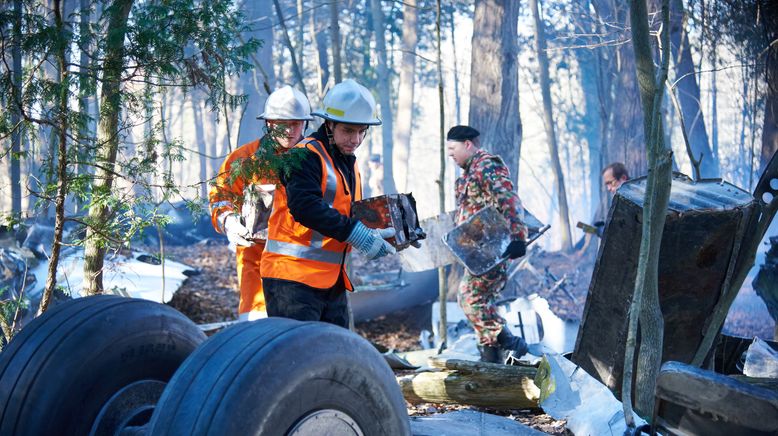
column 490, row 354
column 515, row 344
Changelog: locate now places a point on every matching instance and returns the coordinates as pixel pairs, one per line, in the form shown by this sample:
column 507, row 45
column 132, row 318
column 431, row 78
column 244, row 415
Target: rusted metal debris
column 696, row 401
column 705, row 224
column 256, row 209
column 479, row 242
column 397, row 211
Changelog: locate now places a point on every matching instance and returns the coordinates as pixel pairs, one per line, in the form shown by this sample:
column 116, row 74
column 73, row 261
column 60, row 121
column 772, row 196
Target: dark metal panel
column 695, row 258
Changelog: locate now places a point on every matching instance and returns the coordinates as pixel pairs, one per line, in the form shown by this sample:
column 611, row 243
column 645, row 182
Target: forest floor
column 211, row 296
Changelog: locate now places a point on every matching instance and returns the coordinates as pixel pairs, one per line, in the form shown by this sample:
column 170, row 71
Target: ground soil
column 562, row 279
column 211, row 296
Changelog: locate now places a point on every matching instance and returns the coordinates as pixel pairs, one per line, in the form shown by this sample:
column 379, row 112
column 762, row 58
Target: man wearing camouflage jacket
column 485, row 181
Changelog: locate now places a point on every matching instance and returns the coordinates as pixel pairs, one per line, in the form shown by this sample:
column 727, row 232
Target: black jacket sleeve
column 306, row 203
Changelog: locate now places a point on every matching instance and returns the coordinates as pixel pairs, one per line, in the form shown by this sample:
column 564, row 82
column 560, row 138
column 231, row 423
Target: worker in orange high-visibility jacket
column 286, row 114
column 311, row 229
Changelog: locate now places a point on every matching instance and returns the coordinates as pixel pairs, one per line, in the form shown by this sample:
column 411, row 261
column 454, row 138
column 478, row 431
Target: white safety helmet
column 351, row 103
column 286, row 103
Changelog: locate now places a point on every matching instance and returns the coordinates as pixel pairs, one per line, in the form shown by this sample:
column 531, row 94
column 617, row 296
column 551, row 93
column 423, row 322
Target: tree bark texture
column 384, row 96
column 605, row 96
column 296, row 70
column 62, row 176
column 646, row 295
column 404, row 125
column 16, row 136
column 300, row 35
column 770, row 126
column 205, row 161
column 688, row 91
column 337, row 67
column 259, row 12
column 442, row 283
column 548, row 118
column 594, row 112
column 625, row 133
column 714, row 101
column 494, row 80
column 85, row 99
column 323, row 64
column 457, row 98
column 107, row 145
column 473, row 383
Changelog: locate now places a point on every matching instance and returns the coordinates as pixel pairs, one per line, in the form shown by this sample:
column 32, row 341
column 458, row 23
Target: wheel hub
column 326, row 422
column 131, row 406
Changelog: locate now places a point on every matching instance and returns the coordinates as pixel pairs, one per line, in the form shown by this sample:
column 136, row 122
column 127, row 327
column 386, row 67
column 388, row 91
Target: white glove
column 371, row 242
column 236, row 232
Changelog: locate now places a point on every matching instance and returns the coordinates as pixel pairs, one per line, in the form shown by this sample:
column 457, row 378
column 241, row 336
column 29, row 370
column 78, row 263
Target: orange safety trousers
column 252, row 299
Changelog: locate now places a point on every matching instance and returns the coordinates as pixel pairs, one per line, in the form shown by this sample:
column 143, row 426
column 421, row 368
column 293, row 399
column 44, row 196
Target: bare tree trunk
column 625, row 131
column 322, row 66
column 108, row 145
column 645, row 301
column 605, row 96
column 590, row 64
column 258, row 12
column 494, row 83
column 714, row 102
column 442, row 282
column 402, row 137
column 689, row 93
column 335, row 42
column 201, row 147
column 384, row 98
column 548, row 117
column 457, row 99
column 300, row 35
column 16, row 136
column 62, row 176
column 770, row 126
column 298, row 74
column 742, row 165
column 84, row 107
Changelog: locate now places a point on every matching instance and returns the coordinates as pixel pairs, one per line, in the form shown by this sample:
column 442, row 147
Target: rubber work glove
column 371, row 242
column 236, row 232
column 515, row 249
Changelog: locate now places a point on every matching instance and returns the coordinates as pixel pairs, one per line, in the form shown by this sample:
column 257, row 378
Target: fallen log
column 473, row 383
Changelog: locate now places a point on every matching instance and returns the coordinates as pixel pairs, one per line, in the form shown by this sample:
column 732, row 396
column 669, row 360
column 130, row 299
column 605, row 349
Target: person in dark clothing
column 613, row 176
column 311, row 229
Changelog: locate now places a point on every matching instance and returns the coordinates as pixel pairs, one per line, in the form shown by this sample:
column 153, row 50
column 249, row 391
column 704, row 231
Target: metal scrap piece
column 397, row 211
column 479, row 242
column 256, row 209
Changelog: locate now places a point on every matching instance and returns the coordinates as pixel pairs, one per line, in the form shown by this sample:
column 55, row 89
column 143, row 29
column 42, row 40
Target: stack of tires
column 107, row 365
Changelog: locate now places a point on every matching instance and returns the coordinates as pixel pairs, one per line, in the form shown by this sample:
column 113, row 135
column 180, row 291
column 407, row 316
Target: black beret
column 462, row 133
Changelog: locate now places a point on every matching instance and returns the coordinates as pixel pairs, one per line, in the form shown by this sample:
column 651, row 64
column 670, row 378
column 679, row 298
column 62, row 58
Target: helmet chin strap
column 330, row 135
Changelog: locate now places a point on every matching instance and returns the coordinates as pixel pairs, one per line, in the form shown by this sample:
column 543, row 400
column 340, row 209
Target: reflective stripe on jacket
column 300, row 254
column 225, row 197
